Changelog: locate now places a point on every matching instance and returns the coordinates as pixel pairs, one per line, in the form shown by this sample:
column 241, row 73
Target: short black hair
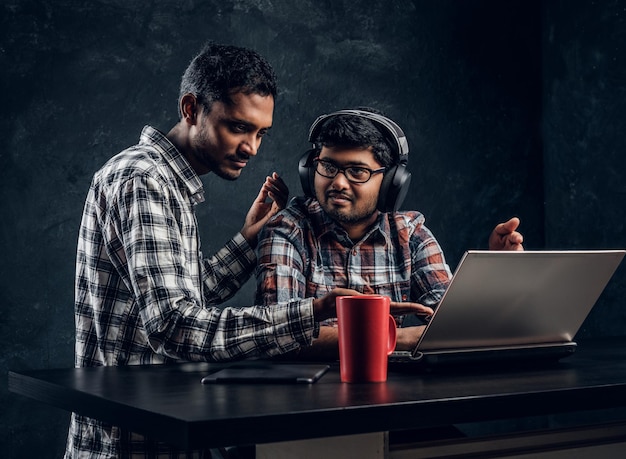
column 351, row 131
column 220, row 70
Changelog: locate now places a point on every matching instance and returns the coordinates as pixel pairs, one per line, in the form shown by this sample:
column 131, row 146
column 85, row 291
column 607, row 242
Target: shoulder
column 134, row 161
column 409, row 226
column 139, row 167
column 296, row 215
column 151, row 156
column 409, row 220
column 290, row 224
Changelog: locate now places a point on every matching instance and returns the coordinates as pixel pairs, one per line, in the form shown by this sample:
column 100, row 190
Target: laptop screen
column 518, row 298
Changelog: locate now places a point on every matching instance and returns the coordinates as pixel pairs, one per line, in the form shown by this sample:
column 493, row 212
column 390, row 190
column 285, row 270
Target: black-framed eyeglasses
column 355, row 174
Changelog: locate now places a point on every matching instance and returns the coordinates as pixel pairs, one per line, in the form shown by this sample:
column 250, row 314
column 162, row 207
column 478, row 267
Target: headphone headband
column 395, row 133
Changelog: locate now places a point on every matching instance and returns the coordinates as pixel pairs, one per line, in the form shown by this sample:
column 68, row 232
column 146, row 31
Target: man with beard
column 144, row 292
column 346, row 230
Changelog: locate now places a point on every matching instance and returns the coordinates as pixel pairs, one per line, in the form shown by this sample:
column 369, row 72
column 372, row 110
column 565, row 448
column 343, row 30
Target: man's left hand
column 261, row 211
column 506, row 237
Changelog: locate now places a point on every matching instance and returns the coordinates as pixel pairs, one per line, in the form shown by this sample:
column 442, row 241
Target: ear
column 189, row 108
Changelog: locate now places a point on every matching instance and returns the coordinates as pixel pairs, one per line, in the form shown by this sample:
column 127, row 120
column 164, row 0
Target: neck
column 179, row 136
column 356, row 230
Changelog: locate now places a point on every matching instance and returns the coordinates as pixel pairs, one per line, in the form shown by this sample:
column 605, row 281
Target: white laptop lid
column 508, row 299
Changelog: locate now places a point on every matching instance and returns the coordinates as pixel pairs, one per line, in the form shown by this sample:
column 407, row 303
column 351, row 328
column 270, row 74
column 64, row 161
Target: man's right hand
column 324, row 307
column 398, row 308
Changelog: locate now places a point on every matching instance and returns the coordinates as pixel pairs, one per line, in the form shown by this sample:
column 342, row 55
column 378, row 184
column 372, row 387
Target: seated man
column 346, row 232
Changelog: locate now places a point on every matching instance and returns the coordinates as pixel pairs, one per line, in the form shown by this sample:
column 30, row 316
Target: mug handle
column 391, row 340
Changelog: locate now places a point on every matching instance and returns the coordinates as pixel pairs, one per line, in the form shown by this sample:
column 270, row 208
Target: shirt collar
column 175, row 160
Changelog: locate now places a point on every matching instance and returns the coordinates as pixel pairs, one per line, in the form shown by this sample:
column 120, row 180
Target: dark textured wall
column 584, row 126
column 464, row 79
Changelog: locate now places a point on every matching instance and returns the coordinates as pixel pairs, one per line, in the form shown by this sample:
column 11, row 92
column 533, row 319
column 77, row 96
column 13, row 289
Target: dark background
column 510, row 107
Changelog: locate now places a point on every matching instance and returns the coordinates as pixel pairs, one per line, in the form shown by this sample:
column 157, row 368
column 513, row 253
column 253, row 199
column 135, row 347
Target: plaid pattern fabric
column 303, row 253
column 144, row 293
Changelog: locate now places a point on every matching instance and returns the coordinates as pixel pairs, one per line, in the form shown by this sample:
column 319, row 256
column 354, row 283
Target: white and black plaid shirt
column 145, row 294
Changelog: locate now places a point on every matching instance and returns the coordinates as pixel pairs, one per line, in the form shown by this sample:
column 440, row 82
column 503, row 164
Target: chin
column 343, row 217
column 348, row 216
column 228, row 174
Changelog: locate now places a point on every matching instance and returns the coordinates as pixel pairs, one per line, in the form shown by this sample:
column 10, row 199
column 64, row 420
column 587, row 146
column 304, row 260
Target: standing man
column 346, row 231
column 144, row 292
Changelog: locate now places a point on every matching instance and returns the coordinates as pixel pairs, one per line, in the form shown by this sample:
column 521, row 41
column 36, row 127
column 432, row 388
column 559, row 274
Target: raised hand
column 274, row 189
column 505, row 237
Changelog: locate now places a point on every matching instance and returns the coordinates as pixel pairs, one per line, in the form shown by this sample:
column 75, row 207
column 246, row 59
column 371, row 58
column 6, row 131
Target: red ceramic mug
column 367, row 335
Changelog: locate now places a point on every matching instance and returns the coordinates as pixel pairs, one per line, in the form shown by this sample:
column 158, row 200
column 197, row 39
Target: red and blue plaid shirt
column 303, row 253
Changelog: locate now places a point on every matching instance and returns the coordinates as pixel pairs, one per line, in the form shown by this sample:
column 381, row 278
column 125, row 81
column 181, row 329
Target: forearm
column 200, row 334
column 227, row 270
column 407, row 338
column 325, row 347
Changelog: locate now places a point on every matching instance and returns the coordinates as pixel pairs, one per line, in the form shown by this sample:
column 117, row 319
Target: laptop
column 506, row 306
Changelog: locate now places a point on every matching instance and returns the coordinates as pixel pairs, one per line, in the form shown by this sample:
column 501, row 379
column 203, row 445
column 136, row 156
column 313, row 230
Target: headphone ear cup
column 307, row 173
column 394, row 188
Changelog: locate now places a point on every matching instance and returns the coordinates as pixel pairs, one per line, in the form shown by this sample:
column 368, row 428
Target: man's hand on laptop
column 407, row 337
column 397, row 308
column 324, row 307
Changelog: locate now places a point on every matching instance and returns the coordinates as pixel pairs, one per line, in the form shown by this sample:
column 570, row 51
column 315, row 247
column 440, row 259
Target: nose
column 340, row 181
column 251, row 145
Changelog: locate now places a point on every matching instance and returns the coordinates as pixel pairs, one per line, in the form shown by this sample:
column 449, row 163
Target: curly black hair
column 349, row 131
column 219, row 71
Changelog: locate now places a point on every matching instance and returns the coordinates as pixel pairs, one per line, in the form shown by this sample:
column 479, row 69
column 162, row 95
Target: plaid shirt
column 304, row 253
column 144, row 293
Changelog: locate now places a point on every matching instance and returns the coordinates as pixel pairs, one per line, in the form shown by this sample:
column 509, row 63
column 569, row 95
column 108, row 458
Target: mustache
column 337, row 194
column 239, row 156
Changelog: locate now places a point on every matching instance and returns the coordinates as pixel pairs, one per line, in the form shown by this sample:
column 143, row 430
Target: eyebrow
column 349, row 163
column 247, row 123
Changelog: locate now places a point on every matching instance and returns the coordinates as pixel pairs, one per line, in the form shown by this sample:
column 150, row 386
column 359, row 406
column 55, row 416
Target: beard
column 362, row 213
column 218, row 167
column 226, row 174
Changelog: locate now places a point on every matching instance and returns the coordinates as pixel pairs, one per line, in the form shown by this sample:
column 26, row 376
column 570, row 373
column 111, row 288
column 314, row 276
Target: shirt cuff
column 316, row 330
column 294, row 324
column 244, row 248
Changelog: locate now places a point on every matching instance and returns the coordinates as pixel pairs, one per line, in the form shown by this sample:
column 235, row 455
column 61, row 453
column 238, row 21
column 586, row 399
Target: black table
column 168, row 402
